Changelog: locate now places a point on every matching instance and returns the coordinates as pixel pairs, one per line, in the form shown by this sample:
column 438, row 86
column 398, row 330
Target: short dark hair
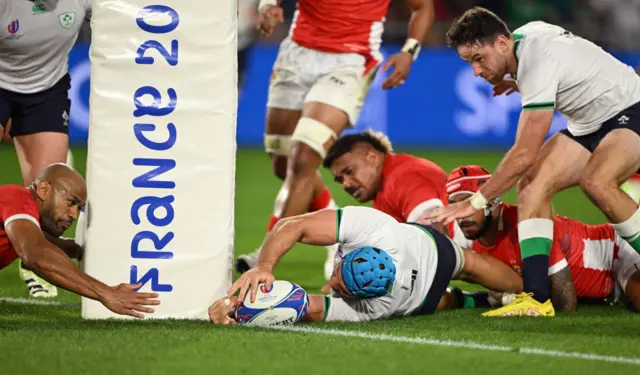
column 346, row 143
column 476, row 26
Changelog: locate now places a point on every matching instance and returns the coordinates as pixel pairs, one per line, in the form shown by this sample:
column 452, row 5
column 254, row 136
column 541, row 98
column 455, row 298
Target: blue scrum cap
column 368, row 272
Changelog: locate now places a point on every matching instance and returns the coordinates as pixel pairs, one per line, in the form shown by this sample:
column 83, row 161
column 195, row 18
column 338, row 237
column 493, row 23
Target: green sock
column 629, row 230
column 536, row 237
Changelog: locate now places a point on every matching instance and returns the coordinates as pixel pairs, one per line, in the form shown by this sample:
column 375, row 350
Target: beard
column 48, row 223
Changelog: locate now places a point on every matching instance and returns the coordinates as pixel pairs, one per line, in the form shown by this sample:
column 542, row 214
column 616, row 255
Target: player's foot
column 524, row 305
column 330, row 262
column 245, row 262
column 38, row 288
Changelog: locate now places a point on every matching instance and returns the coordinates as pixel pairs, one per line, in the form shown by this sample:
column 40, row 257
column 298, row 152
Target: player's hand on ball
column 222, row 310
column 124, row 300
column 270, row 17
column 401, row 63
column 250, row 281
column 507, row 85
column 454, row 211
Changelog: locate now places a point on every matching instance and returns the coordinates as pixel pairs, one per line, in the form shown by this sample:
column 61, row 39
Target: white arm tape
column 412, row 46
column 264, row 3
column 478, row 201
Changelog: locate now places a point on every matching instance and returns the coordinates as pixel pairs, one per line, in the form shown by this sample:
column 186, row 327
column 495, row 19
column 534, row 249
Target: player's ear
column 43, row 189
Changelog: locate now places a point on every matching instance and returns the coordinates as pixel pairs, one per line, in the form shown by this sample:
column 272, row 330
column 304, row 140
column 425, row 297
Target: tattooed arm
column 563, row 292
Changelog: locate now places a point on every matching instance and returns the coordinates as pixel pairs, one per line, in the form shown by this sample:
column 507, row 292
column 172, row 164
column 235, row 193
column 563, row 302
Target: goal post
column 162, row 146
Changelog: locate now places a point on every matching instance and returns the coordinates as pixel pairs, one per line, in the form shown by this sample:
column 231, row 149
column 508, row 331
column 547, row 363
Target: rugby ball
column 286, row 303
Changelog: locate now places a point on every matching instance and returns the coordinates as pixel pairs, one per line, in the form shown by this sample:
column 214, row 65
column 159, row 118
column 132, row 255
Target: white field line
column 405, row 339
column 459, row 344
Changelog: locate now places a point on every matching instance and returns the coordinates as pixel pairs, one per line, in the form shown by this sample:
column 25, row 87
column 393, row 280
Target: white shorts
column 627, row 263
column 304, row 75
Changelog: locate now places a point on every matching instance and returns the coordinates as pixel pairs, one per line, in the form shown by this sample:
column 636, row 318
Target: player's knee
column 278, row 147
column 312, row 139
column 595, row 186
column 304, row 161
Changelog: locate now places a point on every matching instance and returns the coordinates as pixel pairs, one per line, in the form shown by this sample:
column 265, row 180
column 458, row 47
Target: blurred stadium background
column 442, row 113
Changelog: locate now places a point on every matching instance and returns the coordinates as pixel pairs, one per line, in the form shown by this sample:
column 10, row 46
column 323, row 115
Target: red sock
column 272, row 222
column 321, row 200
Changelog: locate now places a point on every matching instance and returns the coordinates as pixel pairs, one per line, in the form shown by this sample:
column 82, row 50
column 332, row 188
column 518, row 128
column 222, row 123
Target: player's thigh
column 559, row 165
column 40, row 126
column 615, row 160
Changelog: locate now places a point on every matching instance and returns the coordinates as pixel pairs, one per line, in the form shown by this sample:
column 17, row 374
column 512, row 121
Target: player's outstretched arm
column 563, row 292
column 53, row 265
column 316, row 309
column 490, row 272
column 317, row 228
column 67, row 245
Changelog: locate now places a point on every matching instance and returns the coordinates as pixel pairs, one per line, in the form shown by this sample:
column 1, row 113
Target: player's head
column 60, row 193
column 462, row 182
column 482, row 39
column 366, row 272
column 356, row 161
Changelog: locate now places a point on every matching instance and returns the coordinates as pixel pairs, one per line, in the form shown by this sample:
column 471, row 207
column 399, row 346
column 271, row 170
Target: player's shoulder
column 406, row 164
column 12, row 191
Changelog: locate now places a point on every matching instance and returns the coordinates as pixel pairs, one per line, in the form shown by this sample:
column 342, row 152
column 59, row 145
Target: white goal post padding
column 161, row 162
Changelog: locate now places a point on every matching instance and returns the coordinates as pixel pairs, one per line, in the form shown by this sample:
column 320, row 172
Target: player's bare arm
column 53, row 265
column 422, row 16
column 532, row 130
column 67, row 245
column 563, row 292
column 489, row 272
column 317, row 228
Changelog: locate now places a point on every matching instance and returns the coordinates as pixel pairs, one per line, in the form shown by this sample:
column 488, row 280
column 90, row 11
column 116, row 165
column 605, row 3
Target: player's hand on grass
column 250, row 281
column 454, row 211
column 222, row 310
column 507, row 85
column 270, row 17
column 124, row 300
column 401, row 63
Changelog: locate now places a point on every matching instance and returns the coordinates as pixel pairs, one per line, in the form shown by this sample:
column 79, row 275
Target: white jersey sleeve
column 357, row 309
column 359, row 226
column 537, row 76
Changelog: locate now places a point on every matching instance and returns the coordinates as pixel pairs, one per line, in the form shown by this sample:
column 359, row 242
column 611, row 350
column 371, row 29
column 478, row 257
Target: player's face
column 471, row 226
column 61, row 208
column 488, row 60
column 358, row 173
column 337, row 283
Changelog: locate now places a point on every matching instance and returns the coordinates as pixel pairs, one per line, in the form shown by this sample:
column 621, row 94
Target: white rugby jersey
column 557, row 69
column 414, row 254
column 35, row 40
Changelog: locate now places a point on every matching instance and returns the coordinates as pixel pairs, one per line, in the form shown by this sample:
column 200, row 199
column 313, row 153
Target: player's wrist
column 478, row 200
column 412, row 47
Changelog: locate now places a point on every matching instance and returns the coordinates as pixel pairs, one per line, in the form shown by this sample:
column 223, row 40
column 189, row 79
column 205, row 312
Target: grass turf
column 54, row 339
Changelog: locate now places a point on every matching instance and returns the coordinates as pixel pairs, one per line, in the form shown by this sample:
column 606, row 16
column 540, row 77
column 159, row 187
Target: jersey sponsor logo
column 414, row 275
column 67, row 19
column 13, row 28
column 38, row 9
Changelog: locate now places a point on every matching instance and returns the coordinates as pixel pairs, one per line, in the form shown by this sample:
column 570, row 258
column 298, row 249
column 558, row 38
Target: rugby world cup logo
column 13, row 27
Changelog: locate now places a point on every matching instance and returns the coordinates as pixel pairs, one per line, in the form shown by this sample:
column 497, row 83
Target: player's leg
column 39, row 128
column 559, row 165
column 626, row 270
column 614, row 161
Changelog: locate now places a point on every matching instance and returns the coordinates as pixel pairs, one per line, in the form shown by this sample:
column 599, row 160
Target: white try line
column 458, row 344
column 29, row 301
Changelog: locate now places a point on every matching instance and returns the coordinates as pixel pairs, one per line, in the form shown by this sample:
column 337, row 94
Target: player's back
column 407, row 181
column 592, row 85
column 16, row 202
column 339, row 25
column 413, row 250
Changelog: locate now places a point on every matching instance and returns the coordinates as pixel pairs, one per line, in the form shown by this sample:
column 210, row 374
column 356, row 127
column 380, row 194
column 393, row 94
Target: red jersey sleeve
column 417, row 191
column 16, row 202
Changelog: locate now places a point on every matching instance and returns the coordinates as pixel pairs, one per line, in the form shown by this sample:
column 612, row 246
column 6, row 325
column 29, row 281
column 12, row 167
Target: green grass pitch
column 53, row 339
